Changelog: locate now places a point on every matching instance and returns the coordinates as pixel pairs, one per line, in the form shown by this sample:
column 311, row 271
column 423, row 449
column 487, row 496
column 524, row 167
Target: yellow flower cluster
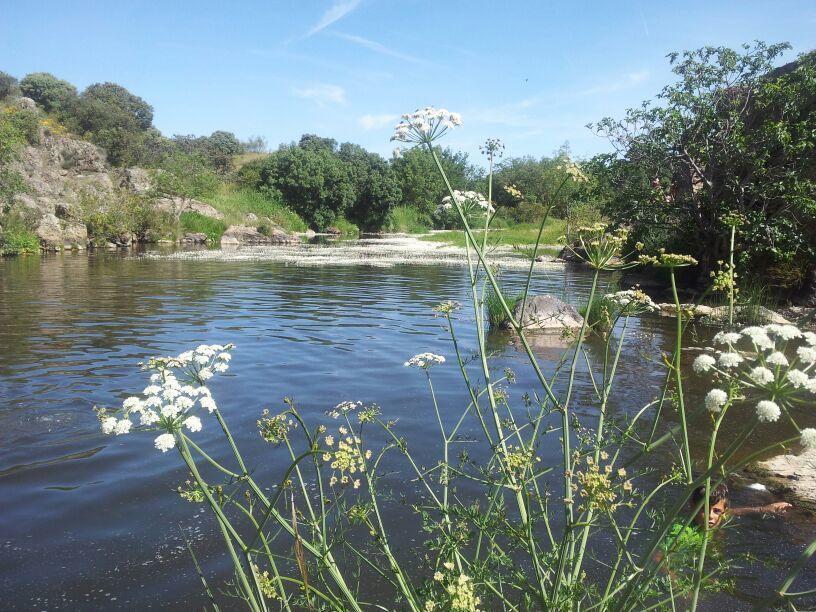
column 265, row 583
column 724, row 279
column 667, row 260
column 460, row 590
column 597, row 486
column 274, row 429
column 347, row 458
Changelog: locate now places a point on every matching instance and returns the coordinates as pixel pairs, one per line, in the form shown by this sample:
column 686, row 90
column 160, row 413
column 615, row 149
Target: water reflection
column 94, row 515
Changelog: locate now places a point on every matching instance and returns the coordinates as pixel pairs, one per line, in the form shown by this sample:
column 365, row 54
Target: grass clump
column 496, row 316
column 18, row 241
column 196, row 223
column 521, row 235
column 407, row 220
column 236, row 203
column 346, row 227
column 599, row 312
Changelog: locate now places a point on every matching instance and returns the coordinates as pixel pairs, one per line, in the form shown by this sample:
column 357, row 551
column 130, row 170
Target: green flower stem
column 731, row 277
column 227, row 530
column 678, row 376
column 698, row 574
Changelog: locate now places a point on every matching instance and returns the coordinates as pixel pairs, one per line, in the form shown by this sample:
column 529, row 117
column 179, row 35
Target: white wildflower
column 221, row 367
column 207, row 402
column 425, row 125
column 185, row 357
column 726, row 338
column 797, row 378
column 201, row 359
column 165, row 442
column 810, row 337
column 730, row 360
column 108, row 425
column 153, row 402
column 224, row 356
column 193, row 423
column 184, row 403
column 761, row 375
column 122, row 427
column 785, row 332
column 425, row 360
column 715, row 400
column 152, row 390
column 809, row 438
column 703, row 363
column 768, row 411
column 777, row 359
column 806, row 354
column 148, row 417
column 132, row 403
column 205, row 374
column 329, row 440
column 170, row 411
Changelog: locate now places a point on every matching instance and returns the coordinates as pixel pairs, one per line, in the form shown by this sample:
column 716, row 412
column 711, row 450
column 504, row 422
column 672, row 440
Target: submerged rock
column 195, row 238
column 241, row 235
column 548, row 313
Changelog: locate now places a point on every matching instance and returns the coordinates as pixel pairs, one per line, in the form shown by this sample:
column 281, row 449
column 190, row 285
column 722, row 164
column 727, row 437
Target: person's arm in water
column 774, row 508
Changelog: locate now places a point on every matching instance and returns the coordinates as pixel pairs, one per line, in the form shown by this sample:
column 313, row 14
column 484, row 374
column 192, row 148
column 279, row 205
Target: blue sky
column 530, row 72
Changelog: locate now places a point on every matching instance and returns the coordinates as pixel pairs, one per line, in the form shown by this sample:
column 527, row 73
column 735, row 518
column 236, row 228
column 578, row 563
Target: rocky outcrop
column 59, row 172
column 719, row 314
column 244, row 235
column 547, row 313
column 794, row 474
column 194, row 238
column 176, row 206
column 137, row 180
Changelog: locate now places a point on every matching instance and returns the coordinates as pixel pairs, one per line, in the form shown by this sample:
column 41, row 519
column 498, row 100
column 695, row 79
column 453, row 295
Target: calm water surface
column 89, row 522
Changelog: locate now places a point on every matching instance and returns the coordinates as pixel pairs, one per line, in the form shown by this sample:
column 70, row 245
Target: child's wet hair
column 718, row 493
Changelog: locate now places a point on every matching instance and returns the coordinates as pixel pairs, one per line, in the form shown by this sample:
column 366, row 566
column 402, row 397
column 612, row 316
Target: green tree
column 8, row 86
column 115, row 119
column 376, row 189
column 53, row 94
column 186, row 176
column 420, row 183
column 732, row 135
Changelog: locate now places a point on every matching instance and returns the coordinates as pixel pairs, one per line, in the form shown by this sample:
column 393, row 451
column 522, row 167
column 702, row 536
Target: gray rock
column 194, row 238
column 240, row 235
column 796, row 473
column 26, row 104
column 75, row 236
column 250, row 218
column 176, row 206
column 548, row 313
column 49, row 231
column 137, row 180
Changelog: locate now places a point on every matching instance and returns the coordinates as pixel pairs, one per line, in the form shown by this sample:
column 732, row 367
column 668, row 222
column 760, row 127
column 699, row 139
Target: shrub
column 193, row 222
column 407, row 220
column 236, row 203
column 8, row 86
column 123, row 217
column 186, row 176
column 496, row 316
column 51, row 93
column 346, row 227
column 18, row 241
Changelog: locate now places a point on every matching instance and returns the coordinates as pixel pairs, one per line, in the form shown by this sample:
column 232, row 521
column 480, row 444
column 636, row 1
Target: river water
column 90, row 522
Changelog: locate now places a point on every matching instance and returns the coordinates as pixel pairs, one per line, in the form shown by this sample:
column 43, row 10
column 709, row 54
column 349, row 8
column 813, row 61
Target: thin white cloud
column 378, row 47
column 321, row 93
column 624, row 82
column 334, row 13
column 375, row 122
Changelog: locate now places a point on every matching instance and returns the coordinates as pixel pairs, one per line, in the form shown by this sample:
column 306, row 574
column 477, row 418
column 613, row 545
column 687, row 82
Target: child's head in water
column 717, row 505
